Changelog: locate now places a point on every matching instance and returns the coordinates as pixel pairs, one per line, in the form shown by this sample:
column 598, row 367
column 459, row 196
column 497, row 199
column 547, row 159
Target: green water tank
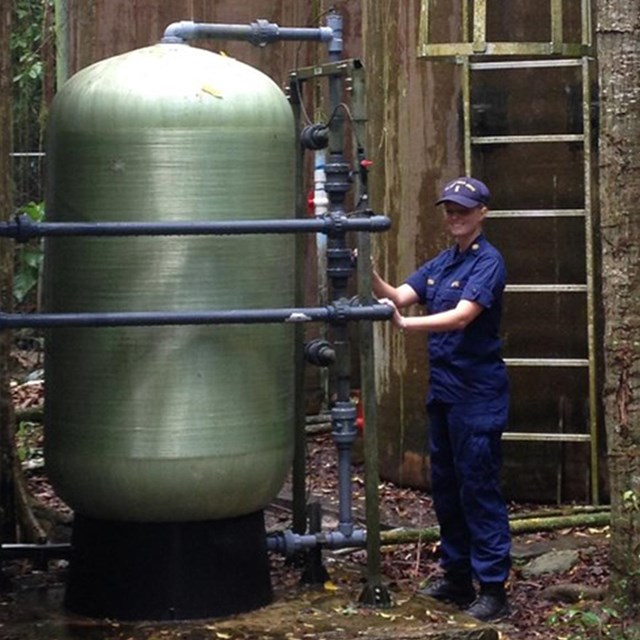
column 175, row 423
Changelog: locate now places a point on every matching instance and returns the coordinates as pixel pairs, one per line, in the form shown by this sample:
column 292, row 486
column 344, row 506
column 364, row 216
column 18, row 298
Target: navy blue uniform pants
column 465, row 473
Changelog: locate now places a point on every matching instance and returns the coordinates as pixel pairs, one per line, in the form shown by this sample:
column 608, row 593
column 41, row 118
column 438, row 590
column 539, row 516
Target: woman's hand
column 397, row 318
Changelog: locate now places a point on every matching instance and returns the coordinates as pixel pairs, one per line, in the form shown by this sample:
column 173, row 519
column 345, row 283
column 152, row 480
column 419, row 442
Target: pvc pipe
column 23, row 228
column 258, row 33
column 289, row 543
column 334, row 23
column 344, row 433
column 285, row 542
column 336, row 314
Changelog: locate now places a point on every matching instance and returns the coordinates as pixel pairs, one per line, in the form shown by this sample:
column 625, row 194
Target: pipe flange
column 263, row 32
column 22, row 228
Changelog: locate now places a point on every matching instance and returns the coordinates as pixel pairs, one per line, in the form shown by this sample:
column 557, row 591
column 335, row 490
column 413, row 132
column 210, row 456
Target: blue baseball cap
column 467, row 192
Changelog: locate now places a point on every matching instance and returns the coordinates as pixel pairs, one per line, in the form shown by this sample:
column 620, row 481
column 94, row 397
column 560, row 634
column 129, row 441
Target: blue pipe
column 337, row 313
column 23, row 228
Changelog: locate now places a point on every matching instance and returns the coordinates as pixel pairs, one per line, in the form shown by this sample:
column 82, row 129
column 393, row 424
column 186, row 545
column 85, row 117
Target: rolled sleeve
column 486, row 282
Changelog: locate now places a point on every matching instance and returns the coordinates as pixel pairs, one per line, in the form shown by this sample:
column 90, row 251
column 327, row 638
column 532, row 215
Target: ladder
column 474, row 55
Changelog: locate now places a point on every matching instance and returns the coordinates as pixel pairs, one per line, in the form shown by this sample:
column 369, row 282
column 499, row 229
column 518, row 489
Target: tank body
column 174, row 423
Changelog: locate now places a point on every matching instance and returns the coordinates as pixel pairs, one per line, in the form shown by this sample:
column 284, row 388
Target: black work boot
column 456, row 588
column 491, row 603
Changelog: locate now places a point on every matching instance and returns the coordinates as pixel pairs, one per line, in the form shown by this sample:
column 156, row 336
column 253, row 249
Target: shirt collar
column 471, row 250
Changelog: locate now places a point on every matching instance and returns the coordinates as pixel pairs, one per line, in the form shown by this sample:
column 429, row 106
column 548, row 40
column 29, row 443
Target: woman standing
column 467, row 402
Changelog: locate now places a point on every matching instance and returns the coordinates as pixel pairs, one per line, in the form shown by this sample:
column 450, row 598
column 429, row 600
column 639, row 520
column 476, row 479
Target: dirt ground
column 535, row 613
column 545, row 607
column 549, row 606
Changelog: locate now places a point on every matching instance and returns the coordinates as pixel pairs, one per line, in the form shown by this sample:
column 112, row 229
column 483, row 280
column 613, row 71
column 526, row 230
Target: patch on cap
column 467, row 192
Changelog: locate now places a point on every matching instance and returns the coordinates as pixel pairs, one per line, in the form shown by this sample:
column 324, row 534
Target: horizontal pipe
column 288, row 543
column 333, row 314
column 23, row 228
column 259, row 33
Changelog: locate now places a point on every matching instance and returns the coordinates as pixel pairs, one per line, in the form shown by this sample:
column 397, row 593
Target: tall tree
column 7, row 421
column 18, row 520
column 618, row 35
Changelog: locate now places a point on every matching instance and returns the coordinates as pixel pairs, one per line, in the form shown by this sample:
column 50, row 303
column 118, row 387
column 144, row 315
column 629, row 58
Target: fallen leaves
column 28, row 394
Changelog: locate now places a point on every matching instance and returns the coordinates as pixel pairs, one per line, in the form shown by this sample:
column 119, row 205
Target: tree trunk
column 517, row 525
column 618, row 34
column 17, row 520
column 7, row 421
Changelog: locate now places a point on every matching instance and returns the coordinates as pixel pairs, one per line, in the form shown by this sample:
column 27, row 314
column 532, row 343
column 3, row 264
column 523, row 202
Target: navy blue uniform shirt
column 466, row 365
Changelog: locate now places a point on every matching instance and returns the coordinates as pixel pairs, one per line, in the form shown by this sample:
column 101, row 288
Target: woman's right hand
column 397, row 318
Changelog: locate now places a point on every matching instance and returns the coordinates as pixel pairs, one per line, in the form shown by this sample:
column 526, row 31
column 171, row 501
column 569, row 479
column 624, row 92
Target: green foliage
column 26, row 41
column 31, row 31
column 28, row 36
column 29, row 441
column 630, row 501
column 599, row 622
column 28, row 257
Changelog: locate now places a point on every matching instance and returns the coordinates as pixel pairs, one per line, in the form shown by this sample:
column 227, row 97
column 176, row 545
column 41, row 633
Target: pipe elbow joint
column 178, row 32
column 320, row 353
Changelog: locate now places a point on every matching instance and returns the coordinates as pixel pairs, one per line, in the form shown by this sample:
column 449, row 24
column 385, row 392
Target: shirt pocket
column 449, row 298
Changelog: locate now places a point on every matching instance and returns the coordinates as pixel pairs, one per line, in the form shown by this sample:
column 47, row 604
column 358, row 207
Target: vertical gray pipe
column 337, row 170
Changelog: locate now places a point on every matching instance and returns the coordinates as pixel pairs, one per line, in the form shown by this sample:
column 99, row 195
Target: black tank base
column 168, row 571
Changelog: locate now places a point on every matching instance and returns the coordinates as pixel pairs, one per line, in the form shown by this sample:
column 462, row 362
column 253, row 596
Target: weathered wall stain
column 414, row 137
